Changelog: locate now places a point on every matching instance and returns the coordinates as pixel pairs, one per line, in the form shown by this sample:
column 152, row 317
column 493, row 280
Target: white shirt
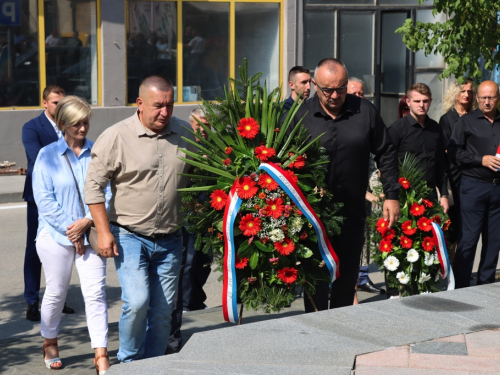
column 58, row 132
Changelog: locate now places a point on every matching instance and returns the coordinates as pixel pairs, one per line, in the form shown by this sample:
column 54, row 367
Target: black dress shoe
column 32, row 312
column 68, row 310
column 369, row 287
column 172, row 350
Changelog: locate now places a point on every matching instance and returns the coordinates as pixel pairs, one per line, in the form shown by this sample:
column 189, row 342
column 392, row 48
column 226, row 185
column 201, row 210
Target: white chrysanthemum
column 424, row 277
column 438, row 275
column 391, row 263
column 403, row 277
column 412, row 255
column 429, row 259
column 295, row 225
column 276, row 235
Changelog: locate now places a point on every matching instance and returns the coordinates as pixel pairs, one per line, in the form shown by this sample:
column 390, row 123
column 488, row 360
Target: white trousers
column 57, row 261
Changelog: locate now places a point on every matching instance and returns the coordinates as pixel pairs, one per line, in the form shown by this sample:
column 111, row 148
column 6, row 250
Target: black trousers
column 348, row 246
column 480, row 209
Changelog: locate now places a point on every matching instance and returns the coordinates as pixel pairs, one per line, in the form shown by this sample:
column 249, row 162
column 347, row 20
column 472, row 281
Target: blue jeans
column 148, row 270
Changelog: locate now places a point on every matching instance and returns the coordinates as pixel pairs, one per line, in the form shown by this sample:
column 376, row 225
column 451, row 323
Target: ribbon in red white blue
column 446, row 271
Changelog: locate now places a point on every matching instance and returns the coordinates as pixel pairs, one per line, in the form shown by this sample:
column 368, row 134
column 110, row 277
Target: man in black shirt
column 299, row 81
column 473, row 145
column 353, row 129
column 418, row 134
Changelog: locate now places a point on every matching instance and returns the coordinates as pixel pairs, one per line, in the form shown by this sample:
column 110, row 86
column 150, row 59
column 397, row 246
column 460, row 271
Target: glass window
column 393, row 54
column 258, row 39
column 151, row 43
column 19, row 72
column 429, row 61
column 356, row 29
column 389, row 109
column 340, row 2
column 206, row 50
column 71, row 47
column 398, row 2
column 436, row 86
column 319, row 36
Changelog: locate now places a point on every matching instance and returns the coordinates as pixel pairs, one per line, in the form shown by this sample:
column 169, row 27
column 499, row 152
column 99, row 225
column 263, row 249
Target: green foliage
column 471, row 32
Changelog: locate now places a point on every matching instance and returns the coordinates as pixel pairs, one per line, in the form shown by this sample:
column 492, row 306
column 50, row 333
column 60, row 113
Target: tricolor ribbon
column 232, row 206
column 446, row 271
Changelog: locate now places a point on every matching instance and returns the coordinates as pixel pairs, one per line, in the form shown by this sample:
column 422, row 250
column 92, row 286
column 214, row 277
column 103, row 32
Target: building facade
column 102, row 49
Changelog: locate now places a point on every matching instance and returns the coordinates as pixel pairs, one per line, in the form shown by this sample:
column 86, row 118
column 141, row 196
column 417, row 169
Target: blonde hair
column 70, row 111
column 451, row 95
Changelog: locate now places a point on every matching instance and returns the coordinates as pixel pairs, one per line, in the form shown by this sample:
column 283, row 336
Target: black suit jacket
column 37, row 133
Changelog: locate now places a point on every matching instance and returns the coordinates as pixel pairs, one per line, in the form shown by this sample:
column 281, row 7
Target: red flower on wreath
column 248, row 128
column 424, row 224
column 382, row 226
column 275, row 207
column 417, row 210
column 389, row 234
column 446, row 225
column 428, row 244
column 405, row 242
column 404, row 183
column 263, row 153
column 250, row 225
column 292, row 176
column 228, row 150
column 298, row 163
column 288, row 275
column 436, row 219
column 427, row 203
column 285, row 247
column 219, row 198
column 226, row 162
column 385, row 246
column 407, row 228
column 240, row 263
column 267, row 182
column 246, row 188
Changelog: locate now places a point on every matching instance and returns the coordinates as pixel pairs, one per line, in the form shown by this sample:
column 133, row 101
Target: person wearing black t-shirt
column 473, row 145
column 353, row 129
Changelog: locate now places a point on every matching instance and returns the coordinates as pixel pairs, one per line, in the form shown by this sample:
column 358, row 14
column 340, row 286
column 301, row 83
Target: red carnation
column 424, row 224
column 267, row 182
column 263, row 153
column 285, row 247
column 246, row 188
column 240, row 263
column 417, row 210
column 250, row 225
column 382, row 225
column 219, row 198
column 436, row 219
column 228, row 150
column 427, row 203
column 303, row 236
column 428, row 244
column 226, row 162
column 407, row 228
column 293, row 177
column 248, row 128
column 389, row 234
column 288, row 275
column 298, row 163
column 385, row 246
column 404, row 183
column 275, row 207
column 405, row 242
column 446, row 225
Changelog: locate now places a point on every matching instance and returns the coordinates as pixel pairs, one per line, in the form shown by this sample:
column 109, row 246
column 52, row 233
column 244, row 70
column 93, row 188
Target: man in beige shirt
column 139, row 157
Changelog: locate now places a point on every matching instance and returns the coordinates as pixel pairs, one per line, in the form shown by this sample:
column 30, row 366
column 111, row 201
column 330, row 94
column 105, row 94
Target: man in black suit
column 37, row 133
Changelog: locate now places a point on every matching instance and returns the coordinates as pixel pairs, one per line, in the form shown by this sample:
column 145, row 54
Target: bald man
column 353, row 129
column 473, row 146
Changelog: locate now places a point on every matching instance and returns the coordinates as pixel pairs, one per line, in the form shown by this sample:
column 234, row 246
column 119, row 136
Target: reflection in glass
column 151, row 43
column 206, row 49
column 356, row 46
column 429, row 61
column 389, row 109
column 340, row 2
column 19, row 73
column 319, row 36
column 257, row 39
column 71, row 47
column 398, row 2
column 393, row 54
column 436, row 86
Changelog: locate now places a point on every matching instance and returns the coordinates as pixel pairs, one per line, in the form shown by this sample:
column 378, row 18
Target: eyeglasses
column 339, row 90
column 485, row 98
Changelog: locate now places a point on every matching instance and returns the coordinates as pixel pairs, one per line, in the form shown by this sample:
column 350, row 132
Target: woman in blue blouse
column 61, row 236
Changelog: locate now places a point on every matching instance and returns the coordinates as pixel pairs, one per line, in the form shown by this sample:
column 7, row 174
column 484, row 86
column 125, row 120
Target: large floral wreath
column 275, row 245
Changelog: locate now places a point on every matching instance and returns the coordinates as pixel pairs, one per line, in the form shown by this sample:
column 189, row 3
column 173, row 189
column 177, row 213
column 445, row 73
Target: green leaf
column 304, row 252
column 245, row 250
column 219, row 225
column 263, row 247
column 208, row 168
column 254, row 260
column 197, row 188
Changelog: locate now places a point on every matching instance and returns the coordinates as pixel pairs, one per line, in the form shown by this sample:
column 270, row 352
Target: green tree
column 471, row 32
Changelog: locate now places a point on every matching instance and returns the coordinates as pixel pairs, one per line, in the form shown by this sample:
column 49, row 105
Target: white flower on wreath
column 438, row 275
column 403, row 277
column 429, row 259
column 276, row 235
column 424, row 277
column 412, row 255
column 391, row 263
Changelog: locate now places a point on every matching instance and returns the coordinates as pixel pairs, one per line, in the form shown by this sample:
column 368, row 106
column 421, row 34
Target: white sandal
column 50, row 362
